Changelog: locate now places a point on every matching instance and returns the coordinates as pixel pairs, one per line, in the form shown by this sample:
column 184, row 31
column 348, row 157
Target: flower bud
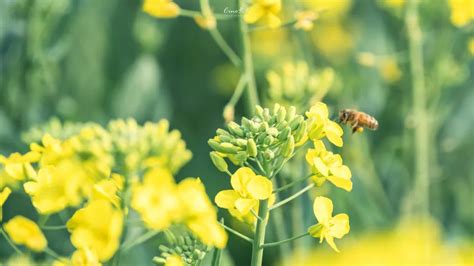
column 214, row 144
column 276, row 108
column 235, row 129
column 288, row 148
column 219, row 162
column 268, row 155
column 246, row 123
column 283, row 124
column 296, row 122
column 259, row 111
column 251, row 148
column 240, row 142
column 300, row 131
column 272, row 131
column 284, row 134
column 227, row 147
column 281, row 114
column 268, row 140
column 222, row 132
column 291, row 113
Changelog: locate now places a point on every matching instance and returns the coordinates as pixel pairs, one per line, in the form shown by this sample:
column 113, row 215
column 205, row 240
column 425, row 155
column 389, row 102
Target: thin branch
column 284, row 241
column 256, row 215
column 292, row 197
column 294, row 182
column 139, row 240
column 17, row 250
column 246, row 238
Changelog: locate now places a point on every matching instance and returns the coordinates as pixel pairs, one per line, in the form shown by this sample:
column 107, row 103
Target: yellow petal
column 272, row 20
column 318, row 110
column 161, row 9
column 331, row 243
column 335, row 127
column 340, row 182
column 334, row 138
column 322, row 208
column 240, row 179
column 226, row 199
column 321, row 166
column 339, row 225
column 254, row 13
column 259, row 187
column 244, row 205
column 342, row 171
column 4, row 195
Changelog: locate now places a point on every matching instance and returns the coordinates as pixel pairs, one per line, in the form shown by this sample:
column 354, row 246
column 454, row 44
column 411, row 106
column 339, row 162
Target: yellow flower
column 23, row 231
column 84, row 257
column 174, row 260
column 326, row 165
column 98, row 227
column 328, row 227
column 321, row 126
column 108, row 189
column 55, row 189
column 305, row 19
column 156, row 200
column 161, row 8
column 3, row 197
column 199, row 214
column 248, row 189
column 17, row 167
column 462, row 12
column 265, row 11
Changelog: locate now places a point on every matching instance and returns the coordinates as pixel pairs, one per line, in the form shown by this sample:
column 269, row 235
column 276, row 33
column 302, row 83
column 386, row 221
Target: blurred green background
column 99, row 60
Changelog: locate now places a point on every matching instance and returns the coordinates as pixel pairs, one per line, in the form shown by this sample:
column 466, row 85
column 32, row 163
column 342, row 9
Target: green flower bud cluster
column 184, row 245
column 268, row 139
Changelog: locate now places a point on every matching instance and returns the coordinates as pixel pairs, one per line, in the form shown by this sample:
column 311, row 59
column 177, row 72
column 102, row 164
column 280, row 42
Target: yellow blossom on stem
column 108, row 189
column 98, row 227
column 265, row 11
column 199, row 214
column 4, row 194
column 206, row 21
column 161, row 8
column 156, row 200
column 54, row 189
column 17, row 167
column 328, row 227
column 248, row 189
column 24, row 231
column 326, row 165
column 321, row 126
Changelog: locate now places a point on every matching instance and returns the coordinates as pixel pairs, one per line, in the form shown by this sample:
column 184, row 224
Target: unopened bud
column 268, row 155
column 235, row 129
column 288, row 148
column 251, row 148
column 219, row 162
column 228, row 113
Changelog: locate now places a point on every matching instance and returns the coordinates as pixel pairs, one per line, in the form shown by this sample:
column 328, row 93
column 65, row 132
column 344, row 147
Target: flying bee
column 358, row 120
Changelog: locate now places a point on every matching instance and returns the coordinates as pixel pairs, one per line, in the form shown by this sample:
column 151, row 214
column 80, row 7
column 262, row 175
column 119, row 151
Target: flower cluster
column 100, row 172
column 261, row 146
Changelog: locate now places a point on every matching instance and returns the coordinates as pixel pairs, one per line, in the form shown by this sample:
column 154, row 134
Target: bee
column 358, row 120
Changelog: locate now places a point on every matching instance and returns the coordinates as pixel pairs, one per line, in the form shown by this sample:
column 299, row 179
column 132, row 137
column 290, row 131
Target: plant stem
column 285, row 241
column 17, row 250
column 294, row 182
column 294, row 196
column 421, row 137
column 251, row 92
column 246, row 238
column 259, row 239
column 238, row 91
column 139, row 240
column 225, row 47
column 53, row 227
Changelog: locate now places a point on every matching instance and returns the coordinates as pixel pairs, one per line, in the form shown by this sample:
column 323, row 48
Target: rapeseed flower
column 305, row 19
column 108, row 189
column 4, row 194
column 328, row 227
column 198, row 213
column 265, row 11
column 156, row 199
column 174, row 260
column 321, row 126
column 98, row 227
column 161, row 8
column 16, row 167
column 462, row 12
column 248, row 189
column 56, row 188
column 24, row 231
column 326, row 165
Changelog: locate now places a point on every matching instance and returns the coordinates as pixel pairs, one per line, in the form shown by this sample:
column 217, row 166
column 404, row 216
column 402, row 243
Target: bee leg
column 355, row 127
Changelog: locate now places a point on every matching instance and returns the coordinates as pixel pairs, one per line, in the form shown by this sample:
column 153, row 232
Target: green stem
column 255, row 215
column 291, row 184
column 225, row 47
column 139, row 240
column 246, row 238
column 292, row 197
column 17, row 250
column 53, row 254
column 53, row 227
column 259, row 239
column 415, row 44
column 251, row 92
column 192, row 14
column 283, row 25
column 285, row 241
column 238, row 91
